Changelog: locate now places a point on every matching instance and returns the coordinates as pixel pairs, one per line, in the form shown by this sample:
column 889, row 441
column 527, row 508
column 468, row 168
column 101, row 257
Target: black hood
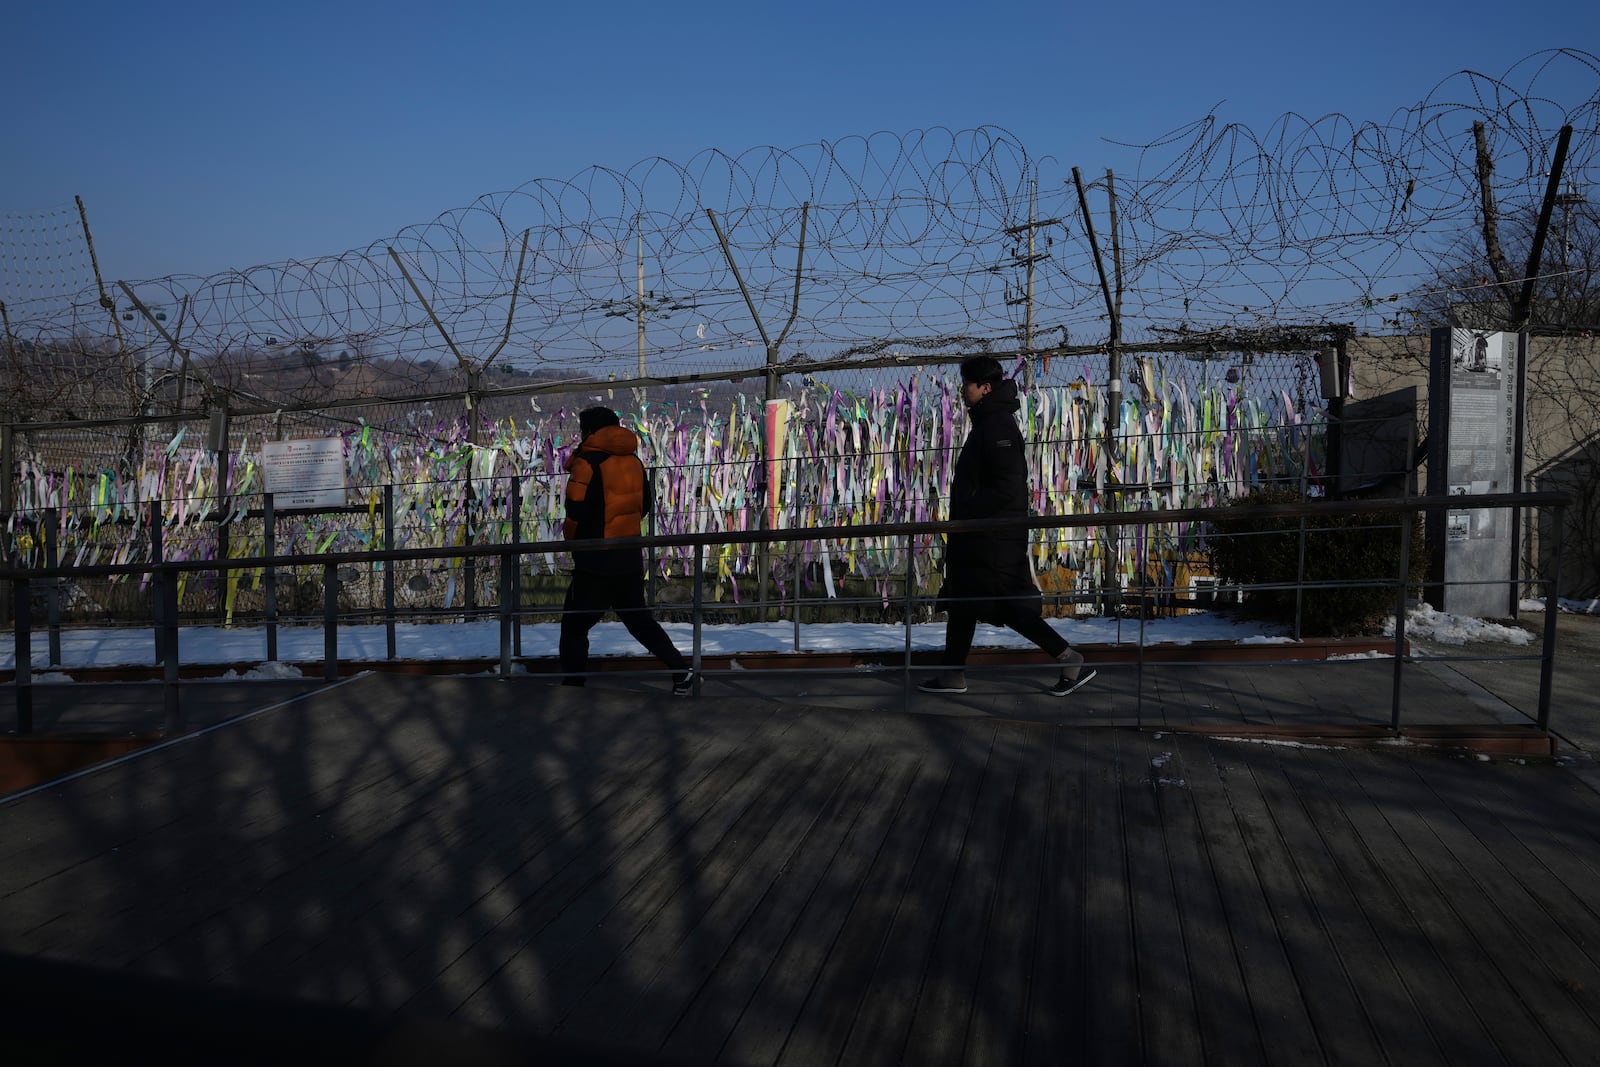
column 1002, row 399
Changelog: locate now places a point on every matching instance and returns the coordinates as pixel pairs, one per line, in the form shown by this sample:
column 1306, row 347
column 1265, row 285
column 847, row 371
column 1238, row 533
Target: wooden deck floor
column 760, row 881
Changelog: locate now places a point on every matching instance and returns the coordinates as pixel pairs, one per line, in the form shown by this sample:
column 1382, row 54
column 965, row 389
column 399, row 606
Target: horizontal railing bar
column 1098, row 520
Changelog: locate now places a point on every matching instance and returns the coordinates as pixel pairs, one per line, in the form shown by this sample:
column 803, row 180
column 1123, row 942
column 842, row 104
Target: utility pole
column 1031, row 227
column 638, row 222
column 1109, row 581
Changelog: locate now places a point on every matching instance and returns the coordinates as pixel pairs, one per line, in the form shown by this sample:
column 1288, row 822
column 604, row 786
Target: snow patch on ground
column 270, row 670
column 1575, row 607
column 1423, row 621
column 1277, row 742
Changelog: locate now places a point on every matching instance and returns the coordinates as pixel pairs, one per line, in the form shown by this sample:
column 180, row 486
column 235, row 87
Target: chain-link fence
column 831, row 448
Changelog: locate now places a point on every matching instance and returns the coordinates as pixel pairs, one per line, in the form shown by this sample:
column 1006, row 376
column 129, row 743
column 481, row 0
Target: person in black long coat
column 987, row 576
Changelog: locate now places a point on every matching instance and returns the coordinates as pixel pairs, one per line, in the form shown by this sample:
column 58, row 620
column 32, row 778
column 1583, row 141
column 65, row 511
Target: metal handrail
column 164, row 573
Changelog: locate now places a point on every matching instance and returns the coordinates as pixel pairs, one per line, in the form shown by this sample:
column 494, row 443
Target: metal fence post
column 330, row 622
column 650, row 553
column 22, row 636
column 52, row 559
column 1406, row 522
column 388, row 571
column 1300, row 581
column 1144, row 611
column 699, row 600
column 507, row 564
column 1552, row 605
column 469, row 567
column 157, row 601
column 794, row 585
column 911, row 556
column 167, row 590
column 269, row 545
column 516, row 565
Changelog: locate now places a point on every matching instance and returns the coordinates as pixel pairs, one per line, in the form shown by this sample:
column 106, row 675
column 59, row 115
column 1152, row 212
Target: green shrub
column 1363, row 548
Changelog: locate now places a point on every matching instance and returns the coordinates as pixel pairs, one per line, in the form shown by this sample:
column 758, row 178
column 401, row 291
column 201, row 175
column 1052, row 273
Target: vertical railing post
column 157, row 601
column 224, row 550
column 22, row 637
column 52, row 559
column 469, row 566
column 797, row 552
column 1144, row 610
column 650, row 553
column 508, row 557
column 269, row 546
column 794, row 585
column 167, row 590
column 516, row 565
column 330, row 622
column 388, row 572
column 1300, row 579
column 1552, row 605
column 699, row 600
column 1400, row 616
column 911, row 556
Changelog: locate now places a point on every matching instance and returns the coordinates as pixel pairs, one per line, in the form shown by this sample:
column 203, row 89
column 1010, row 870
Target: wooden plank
column 1337, row 1014
column 245, row 769
column 852, row 934
column 277, row 836
column 1412, row 865
column 437, row 781
column 1255, row 704
column 760, row 985
column 390, row 954
column 945, row 999
column 1207, row 696
column 1283, row 1022
column 644, row 995
column 1334, row 896
column 1167, row 1018
column 1226, row 1027
column 494, row 825
column 582, row 940
column 1112, row 1027
column 589, row 869
column 1013, row 943
column 909, row 924
column 1456, row 1026
column 1547, row 969
column 1055, row 1020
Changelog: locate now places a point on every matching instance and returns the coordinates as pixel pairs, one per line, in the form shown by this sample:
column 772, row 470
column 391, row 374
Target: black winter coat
column 989, row 570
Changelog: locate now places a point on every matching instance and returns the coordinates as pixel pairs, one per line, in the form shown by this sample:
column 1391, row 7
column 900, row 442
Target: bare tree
column 1467, row 290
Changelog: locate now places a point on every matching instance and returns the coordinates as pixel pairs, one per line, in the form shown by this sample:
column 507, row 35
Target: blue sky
column 204, row 137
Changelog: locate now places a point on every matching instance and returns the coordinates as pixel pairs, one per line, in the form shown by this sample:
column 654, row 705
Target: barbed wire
column 917, row 241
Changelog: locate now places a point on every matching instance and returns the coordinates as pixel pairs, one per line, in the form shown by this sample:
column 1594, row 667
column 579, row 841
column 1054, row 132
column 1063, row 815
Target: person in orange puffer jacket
column 609, row 495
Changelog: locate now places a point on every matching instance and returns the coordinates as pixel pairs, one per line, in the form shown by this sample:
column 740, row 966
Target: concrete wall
column 1562, row 444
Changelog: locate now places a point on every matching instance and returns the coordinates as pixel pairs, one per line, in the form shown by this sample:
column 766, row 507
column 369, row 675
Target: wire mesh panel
column 463, row 470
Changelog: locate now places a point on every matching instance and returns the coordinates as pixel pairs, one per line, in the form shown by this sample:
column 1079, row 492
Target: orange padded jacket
column 608, row 495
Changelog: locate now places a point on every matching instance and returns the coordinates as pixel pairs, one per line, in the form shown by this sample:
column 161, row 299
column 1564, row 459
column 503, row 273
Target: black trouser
column 588, row 598
column 1023, row 617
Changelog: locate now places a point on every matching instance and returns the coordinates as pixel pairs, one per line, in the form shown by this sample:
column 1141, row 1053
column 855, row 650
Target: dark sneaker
column 683, row 684
column 948, row 682
column 1067, row 686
